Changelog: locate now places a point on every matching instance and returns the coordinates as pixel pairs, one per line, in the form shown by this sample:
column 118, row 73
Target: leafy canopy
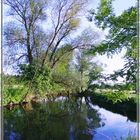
column 122, row 35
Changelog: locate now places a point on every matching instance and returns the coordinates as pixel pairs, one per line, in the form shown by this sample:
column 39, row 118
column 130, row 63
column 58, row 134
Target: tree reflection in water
column 69, row 119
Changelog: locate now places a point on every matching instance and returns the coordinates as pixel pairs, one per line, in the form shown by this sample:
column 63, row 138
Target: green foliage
column 63, row 78
column 117, row 96
column 69, row 76
column 82, row 67
column 95, row 73
column 68, row 82
column 13, row 93
column 122, row 35
column 35, row 78
column 64, row 55
column 13, row 89
column 104, row 13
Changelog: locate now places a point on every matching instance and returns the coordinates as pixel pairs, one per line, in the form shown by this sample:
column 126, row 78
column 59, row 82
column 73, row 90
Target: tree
column 82, row 67
column 61, row 74
column 65, row 77
column 49, row 51
column 64, row 19
column 122, row 35
column 27, row 33
column 22, row 33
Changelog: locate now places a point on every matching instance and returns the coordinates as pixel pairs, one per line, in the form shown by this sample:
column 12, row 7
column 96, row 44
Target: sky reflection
column 115, row 125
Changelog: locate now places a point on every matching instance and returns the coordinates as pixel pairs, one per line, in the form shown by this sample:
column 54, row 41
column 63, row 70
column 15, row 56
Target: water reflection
column 115, row 126
column 67, row 119
column 60, row 120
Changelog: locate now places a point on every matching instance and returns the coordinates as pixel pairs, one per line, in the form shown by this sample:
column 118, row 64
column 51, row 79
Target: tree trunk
column 81, row 87
column 29, row 51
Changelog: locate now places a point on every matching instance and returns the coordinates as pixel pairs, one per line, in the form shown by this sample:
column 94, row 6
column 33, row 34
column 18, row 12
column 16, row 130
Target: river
column 66, row 119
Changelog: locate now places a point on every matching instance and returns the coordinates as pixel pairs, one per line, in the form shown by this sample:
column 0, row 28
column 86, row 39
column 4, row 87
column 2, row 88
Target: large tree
column 26, row 32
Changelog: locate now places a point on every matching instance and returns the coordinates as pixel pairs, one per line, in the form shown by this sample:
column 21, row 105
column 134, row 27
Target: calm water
column 65, row 119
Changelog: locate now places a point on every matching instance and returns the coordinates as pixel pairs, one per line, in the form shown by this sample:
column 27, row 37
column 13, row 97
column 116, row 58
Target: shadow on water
column 68, row 119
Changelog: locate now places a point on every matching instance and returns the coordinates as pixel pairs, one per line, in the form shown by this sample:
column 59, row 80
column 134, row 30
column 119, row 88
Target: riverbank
column 123, row 102
column 117, row 102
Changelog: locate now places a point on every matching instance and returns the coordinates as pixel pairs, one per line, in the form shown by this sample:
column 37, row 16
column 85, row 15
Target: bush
column 36, row 78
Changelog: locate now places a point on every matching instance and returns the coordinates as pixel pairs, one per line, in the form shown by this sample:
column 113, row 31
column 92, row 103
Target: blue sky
column 120, row 5
column 116, row 62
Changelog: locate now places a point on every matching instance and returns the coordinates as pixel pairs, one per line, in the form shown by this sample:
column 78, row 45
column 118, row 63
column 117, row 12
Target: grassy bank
column 19, row 93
